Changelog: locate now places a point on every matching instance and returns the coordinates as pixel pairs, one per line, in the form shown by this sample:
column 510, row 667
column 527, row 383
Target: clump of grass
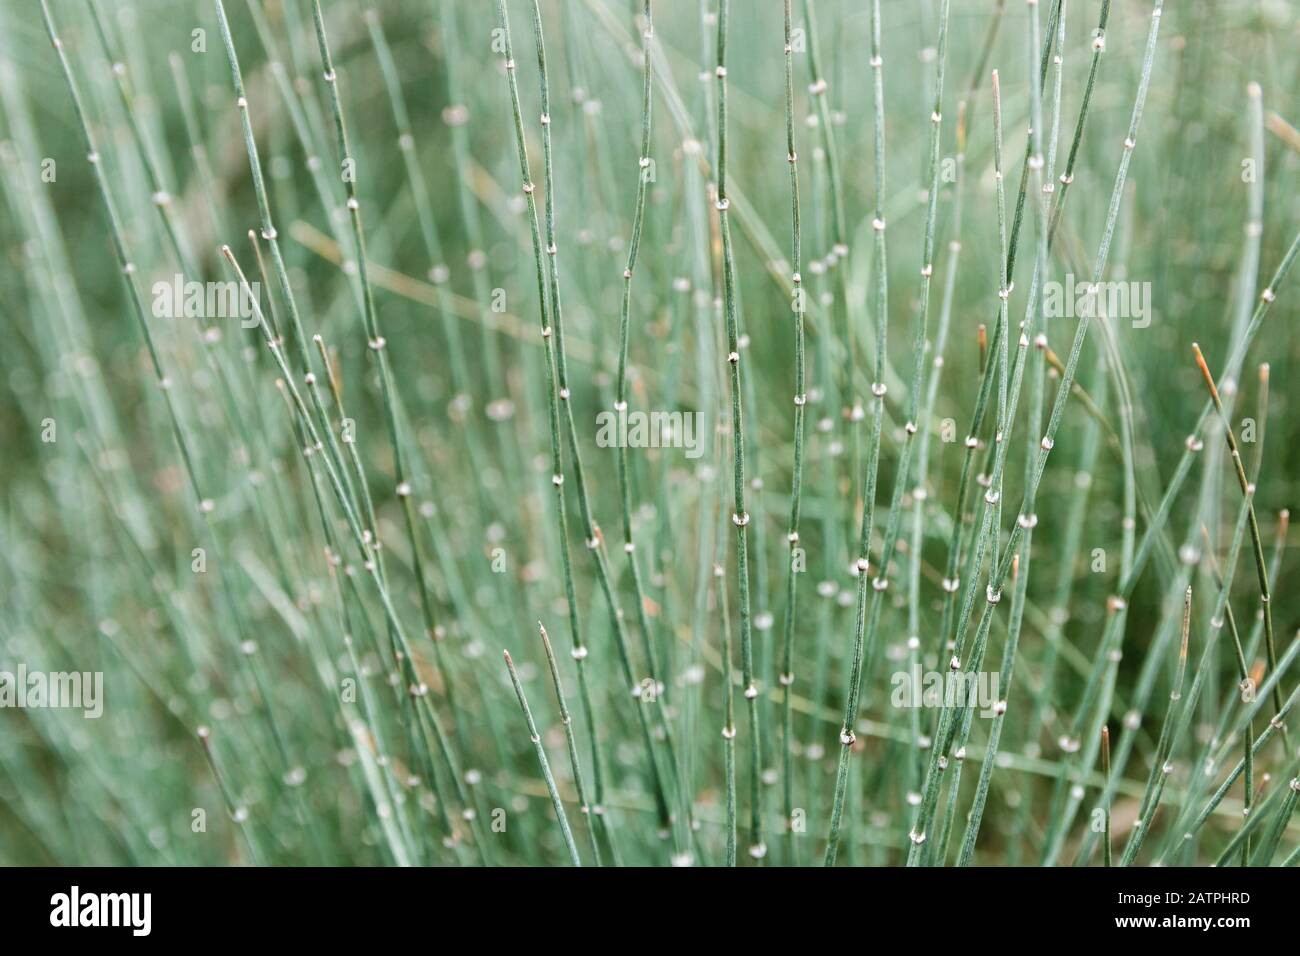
column 292, row 563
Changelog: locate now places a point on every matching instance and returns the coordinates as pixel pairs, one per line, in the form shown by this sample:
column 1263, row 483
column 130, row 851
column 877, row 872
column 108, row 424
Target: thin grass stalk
column 566, row 720
column 853, row 689
column 655, row 671
column 916, row 410
column 590, row 154
column 728, row 693
column 1252, row 643
column 536, row 738
column 1004, row 413
column 712, row 493
column 796, row 481
column 920, row 492
column 740, row 517
column 238, row 813
column 1160, row 765
column 831, row 528
column 1052, row 18
column 1107, row 859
